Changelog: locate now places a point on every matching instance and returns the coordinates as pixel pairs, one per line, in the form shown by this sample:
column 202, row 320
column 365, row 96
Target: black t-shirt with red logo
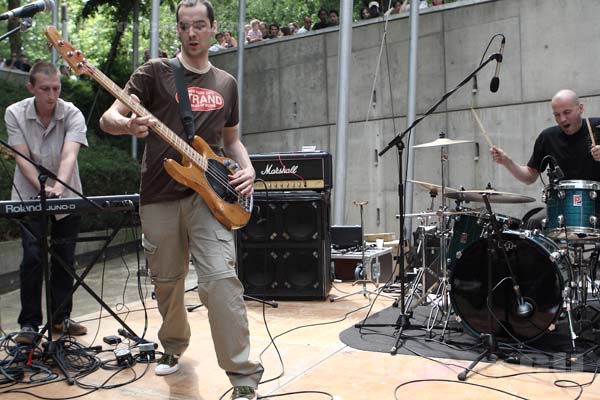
column 572, row 152
column 214, row 103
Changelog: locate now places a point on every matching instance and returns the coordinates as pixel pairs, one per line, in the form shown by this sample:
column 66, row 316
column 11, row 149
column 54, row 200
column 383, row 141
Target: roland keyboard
column 293, row 171
column 75, row 205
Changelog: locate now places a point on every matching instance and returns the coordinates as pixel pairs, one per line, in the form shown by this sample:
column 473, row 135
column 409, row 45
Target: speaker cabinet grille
column 284, row 251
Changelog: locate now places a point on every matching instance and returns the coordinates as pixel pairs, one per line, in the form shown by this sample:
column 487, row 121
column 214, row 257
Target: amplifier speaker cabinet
column 284, row 251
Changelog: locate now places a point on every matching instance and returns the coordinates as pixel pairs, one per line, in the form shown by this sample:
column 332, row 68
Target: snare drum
column 541, row 271
column 572, row 205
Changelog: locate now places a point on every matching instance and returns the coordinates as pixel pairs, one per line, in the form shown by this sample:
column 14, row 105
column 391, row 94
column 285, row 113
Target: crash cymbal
column 439, row 213
column 442, row 142
column 432, row 187
column 493, row 196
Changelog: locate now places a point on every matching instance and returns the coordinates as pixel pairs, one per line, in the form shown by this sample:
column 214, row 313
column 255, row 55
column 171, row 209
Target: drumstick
column 485, row 134
column 590, row 131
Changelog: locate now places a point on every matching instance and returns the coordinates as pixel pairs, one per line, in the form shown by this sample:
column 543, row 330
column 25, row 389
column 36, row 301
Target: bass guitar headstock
column 74, row 57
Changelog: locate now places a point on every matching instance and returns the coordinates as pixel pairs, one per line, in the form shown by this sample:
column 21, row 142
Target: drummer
column 568, row 143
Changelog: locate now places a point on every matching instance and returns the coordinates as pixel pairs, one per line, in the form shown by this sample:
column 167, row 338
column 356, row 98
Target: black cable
column 307, row 326
column 298, row 392
column 272, row 341
column 459, row 383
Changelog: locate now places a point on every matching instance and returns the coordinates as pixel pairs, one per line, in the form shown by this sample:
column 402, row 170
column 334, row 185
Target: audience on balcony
column 257, row 30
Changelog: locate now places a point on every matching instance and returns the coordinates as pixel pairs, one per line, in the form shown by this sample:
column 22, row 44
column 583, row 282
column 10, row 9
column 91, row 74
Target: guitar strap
column 185, row 109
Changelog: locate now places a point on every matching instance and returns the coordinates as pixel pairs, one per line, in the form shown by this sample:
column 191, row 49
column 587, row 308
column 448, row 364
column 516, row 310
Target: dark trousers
column 31, row 273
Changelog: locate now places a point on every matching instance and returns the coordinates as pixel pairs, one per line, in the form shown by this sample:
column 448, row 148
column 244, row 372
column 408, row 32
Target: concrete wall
column 290, row 87
column 14, row 75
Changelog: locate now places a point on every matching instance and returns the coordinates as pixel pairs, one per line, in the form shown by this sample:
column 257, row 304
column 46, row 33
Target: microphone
column 29, row 10
column 524, row 308
column 495, row 82
column 555, row 173
column 558, row 173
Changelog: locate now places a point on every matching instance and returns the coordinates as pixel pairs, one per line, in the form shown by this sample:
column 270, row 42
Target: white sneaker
column 168, row 364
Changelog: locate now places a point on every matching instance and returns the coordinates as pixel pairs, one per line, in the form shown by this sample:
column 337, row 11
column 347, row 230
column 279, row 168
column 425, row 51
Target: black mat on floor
column 551, row 350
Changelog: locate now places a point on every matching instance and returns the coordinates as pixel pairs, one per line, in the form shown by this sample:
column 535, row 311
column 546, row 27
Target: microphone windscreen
column 494, row 84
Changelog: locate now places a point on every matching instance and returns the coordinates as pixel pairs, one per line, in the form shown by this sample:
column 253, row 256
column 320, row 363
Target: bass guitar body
column 212, row 184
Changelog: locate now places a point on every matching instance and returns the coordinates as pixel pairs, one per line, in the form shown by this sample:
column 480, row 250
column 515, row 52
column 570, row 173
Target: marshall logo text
column 270, row 170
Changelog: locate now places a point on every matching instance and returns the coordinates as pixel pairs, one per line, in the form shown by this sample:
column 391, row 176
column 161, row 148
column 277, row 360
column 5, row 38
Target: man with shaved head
column 568, row 143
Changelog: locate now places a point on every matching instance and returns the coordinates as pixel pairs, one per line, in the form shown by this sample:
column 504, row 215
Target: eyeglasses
column 200, row 25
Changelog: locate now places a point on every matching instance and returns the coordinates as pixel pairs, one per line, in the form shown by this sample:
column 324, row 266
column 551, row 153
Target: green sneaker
column 243, row 393
column 168, row 364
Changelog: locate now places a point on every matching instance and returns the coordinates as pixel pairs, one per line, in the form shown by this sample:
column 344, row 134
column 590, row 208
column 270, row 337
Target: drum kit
column 499, row 276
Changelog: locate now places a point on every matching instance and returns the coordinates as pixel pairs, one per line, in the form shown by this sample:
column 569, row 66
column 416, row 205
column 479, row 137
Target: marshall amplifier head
column 293, row 171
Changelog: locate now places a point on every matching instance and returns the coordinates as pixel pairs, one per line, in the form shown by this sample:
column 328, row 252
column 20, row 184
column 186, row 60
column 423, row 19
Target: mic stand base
column 51, row 349
column 267, row 302
column 489, row 342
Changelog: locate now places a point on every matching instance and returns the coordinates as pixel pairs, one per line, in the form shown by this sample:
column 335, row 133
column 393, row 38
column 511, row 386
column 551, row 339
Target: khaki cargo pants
column 171, row 232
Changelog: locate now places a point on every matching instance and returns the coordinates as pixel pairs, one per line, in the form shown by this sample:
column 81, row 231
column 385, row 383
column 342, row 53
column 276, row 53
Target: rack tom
column 574, row 206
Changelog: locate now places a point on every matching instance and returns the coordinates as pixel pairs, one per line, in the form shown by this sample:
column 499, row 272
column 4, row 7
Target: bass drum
column 541, row 273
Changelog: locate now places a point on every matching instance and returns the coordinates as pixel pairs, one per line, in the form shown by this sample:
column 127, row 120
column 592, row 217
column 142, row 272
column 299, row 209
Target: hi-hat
column 442, row 142
column 432, row 187
column 492, row 195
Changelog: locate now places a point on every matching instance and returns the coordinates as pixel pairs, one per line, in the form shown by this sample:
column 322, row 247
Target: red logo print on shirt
column 204, row 99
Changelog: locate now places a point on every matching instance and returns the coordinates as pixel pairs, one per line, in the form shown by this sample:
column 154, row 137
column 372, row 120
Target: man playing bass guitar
column 176, row 221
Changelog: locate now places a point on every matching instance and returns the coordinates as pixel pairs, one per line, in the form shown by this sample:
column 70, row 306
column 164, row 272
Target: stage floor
column 314, row 358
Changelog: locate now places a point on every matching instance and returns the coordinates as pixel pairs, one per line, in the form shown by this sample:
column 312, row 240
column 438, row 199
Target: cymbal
column 439, row 213
column 442, row 142
column 493, row 196
column 432, row 187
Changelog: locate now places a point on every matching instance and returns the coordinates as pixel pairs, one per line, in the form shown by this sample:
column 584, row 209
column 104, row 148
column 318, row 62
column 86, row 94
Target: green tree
column 15, row 40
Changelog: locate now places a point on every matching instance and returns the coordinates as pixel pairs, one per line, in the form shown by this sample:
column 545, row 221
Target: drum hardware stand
column 442, row 304
column 420, row 278
column 582, row 307
column 567, row 302
column 361, row 272
column 442, row 294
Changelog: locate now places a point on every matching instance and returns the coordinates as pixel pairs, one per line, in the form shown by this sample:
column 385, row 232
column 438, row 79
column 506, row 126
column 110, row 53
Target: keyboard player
column 50, row 131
